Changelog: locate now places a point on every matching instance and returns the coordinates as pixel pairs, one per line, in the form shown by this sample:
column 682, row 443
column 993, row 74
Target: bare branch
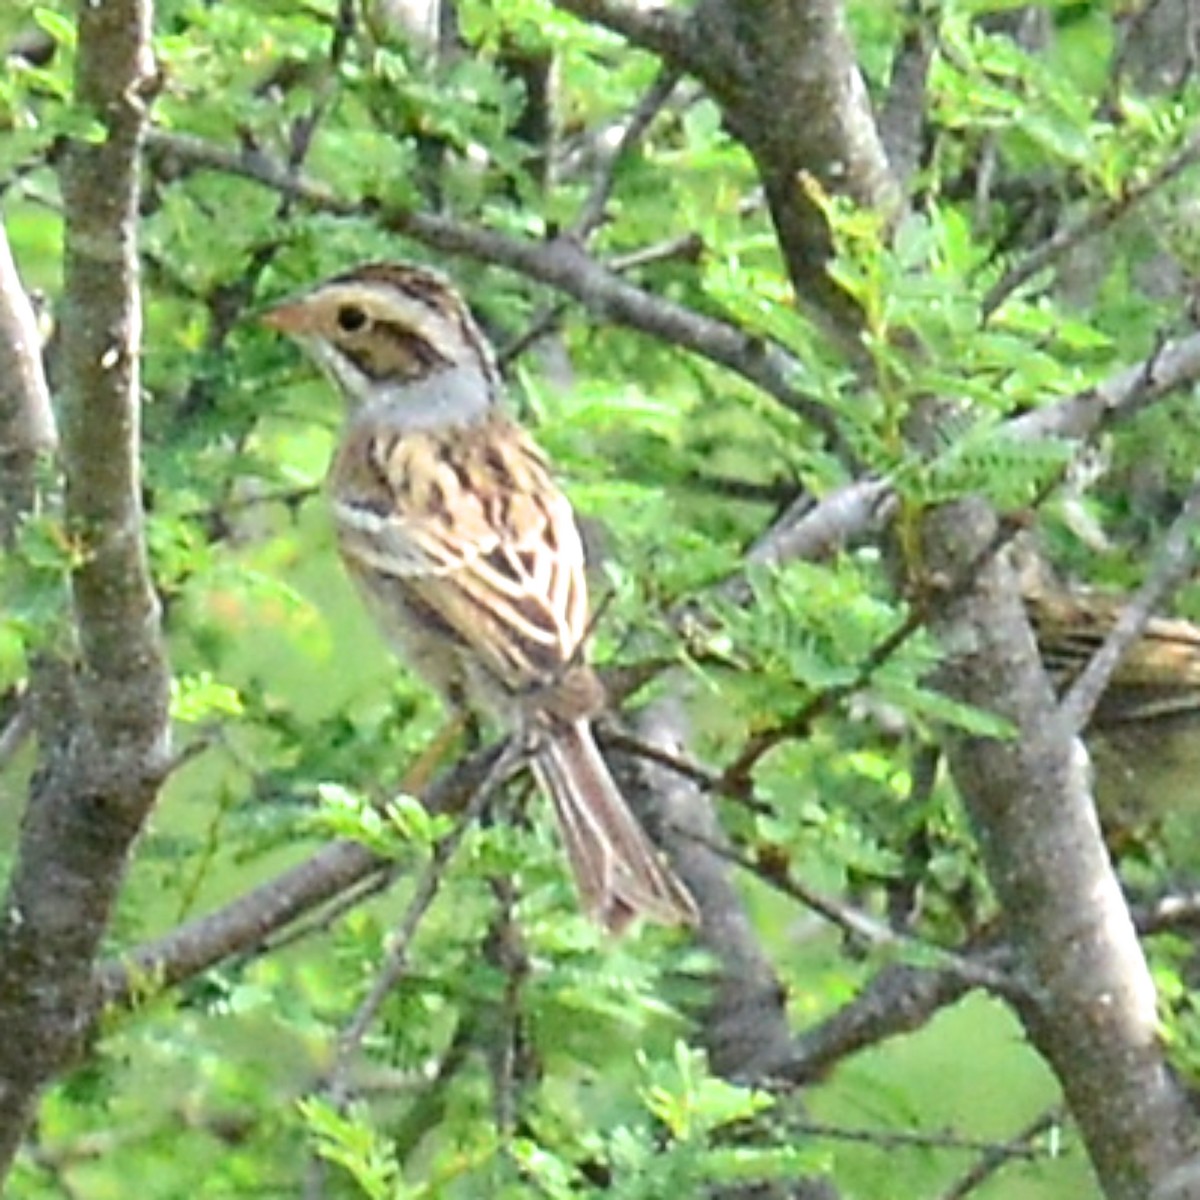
column 898, row 1000
column 663, row 30
column 1092, row 1008
column 1173, row 365
column 865, row 928
column 125, row 676
column 239, row 927
column 559, row 264
column 1095, row 222
column 1176, row 557
column 247, row 923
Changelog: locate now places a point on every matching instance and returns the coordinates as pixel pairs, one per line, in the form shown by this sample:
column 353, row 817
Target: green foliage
column 521, row 1054
column 354, row 1146
column 399, row 823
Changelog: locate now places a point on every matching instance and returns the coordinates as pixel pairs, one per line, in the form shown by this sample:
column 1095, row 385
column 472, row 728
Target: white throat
column 456, row 395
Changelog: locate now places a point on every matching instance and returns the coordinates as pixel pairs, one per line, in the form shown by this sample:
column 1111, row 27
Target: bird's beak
column 294, row 318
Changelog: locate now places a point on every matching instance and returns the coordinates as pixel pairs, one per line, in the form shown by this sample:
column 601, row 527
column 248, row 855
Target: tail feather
column 617, row 870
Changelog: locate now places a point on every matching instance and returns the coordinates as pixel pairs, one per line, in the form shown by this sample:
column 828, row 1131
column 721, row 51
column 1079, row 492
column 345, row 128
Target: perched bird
column 468, row 555
column 1144, row 735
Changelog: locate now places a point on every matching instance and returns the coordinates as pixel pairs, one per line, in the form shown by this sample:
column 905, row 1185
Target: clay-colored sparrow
column 468, row 555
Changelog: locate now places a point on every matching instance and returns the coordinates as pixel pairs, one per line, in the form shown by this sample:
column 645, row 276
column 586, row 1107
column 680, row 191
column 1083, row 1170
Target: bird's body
column 1158, row 677
column 414, row 537
column 468, row 555
column 1144, row 735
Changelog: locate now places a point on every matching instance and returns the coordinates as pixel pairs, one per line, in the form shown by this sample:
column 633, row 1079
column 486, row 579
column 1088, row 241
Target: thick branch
column 1092, row 1012
column 788, row 83
column 666, row 32
column 115, row 606
column 101, row 730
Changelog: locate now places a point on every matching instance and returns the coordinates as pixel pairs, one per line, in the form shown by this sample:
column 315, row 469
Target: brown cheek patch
column 389, row 352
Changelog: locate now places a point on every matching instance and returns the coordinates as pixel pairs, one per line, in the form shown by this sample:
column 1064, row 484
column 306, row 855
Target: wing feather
column 500, row 562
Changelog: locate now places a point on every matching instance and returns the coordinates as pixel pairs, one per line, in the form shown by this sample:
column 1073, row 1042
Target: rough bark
column 788, row 82
column 1092, row 1007
column 786, row 79
column 102, row 721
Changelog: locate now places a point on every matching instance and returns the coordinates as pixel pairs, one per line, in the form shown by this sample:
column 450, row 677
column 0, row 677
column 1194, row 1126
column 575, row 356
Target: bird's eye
column 351, row 318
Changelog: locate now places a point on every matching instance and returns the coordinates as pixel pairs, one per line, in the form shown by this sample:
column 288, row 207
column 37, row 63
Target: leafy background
column 300, row 722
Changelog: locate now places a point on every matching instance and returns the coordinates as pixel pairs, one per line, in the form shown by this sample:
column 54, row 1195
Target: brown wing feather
column 500, row 562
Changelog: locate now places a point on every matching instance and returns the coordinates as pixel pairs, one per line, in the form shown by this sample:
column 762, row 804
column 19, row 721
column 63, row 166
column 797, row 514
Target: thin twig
column 1095, row 222
column 395, row 965
column 622, row 740
column 900, row 1140
column 336, row 1085
column 591, row 215
column 428, row 1109
column 735, row 780
column 304, row 128
column 504, row 950
column 1175, row 560
column 993, row 1158
column 863, row 926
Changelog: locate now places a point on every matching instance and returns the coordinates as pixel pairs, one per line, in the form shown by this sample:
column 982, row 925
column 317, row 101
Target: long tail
column 617, row 870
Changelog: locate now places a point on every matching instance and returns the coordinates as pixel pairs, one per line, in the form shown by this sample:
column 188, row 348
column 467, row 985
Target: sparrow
column 469, row 557
column 1144, row 735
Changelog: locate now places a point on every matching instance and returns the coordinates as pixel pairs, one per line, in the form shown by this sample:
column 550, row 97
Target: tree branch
column 1176, row 558
column 789, row 86
column 666, row 32
column 248, row 922
column 561, row 264
column 27, row 427
column 1092, row 1008
column 101, row 730
column 1172, row 365
column 900, row 999
column 1095, row 222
